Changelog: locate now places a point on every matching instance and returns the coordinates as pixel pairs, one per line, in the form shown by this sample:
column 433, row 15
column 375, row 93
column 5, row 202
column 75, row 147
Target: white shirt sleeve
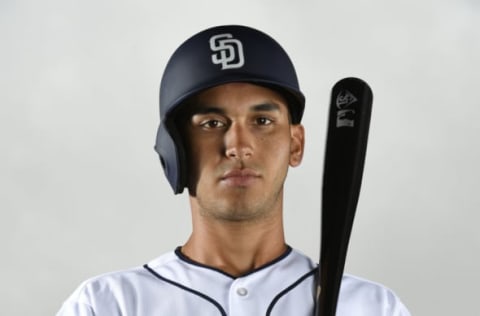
column 361, row 297
column 75, row 309
column 78, row 304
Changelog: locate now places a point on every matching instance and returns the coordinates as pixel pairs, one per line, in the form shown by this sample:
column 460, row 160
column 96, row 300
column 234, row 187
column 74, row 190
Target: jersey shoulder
column 368, row 298
column 102, row 291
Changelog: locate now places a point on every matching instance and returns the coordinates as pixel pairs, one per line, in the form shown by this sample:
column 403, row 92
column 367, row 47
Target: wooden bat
column 348, row 124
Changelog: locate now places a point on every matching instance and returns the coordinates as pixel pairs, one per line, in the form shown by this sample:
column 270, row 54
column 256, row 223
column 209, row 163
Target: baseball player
column 230, row 108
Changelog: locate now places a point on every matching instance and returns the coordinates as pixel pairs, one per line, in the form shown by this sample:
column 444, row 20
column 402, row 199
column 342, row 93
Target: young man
column 230, row 128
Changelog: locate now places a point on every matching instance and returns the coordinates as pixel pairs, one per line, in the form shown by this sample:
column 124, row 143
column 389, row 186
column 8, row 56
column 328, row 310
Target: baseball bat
column 347, row 135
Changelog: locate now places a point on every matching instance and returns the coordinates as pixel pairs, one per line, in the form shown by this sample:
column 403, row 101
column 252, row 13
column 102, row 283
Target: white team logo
column 345, row 116
column 227, row 51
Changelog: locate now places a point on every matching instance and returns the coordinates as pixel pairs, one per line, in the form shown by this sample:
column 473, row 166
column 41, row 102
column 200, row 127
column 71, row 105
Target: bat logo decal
column 344, row 99
column 345, row 115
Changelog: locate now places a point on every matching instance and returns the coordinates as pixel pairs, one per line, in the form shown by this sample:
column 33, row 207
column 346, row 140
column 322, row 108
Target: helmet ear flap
column 172, row 158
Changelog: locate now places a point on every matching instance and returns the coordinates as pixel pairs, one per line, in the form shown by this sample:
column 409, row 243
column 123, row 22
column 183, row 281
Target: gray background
column 82, row 191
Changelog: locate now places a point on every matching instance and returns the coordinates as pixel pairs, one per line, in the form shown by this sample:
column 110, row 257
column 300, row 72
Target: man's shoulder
column 103, row 291
column 361, row 296
column 120, row 278
column 370, row 297
column 354, row 284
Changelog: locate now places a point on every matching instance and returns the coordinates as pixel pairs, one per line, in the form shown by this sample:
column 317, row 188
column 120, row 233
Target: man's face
column 240, row 143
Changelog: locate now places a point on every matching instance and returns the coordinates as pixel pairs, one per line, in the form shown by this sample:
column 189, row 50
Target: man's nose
column 238, row 142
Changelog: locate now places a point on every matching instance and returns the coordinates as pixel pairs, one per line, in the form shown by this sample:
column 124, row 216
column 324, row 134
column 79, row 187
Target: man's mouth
column 240, row 177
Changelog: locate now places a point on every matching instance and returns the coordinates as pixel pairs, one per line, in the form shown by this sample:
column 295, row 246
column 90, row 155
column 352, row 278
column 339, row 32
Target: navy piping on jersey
column 288, row 289
column 178, row 252
column 205, row 297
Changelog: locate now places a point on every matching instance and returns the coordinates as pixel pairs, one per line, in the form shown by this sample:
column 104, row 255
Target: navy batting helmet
column 215, row 56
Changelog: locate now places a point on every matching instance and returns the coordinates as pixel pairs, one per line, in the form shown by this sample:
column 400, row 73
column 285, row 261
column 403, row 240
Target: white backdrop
column 82, row 191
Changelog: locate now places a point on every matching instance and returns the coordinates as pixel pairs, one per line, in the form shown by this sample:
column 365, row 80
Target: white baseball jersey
column 174, row 285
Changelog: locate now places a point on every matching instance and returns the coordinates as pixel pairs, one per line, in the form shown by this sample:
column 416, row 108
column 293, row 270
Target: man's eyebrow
column 266, row 107
column 207, row 109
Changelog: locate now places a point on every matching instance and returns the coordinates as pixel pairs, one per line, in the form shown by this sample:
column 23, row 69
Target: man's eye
column 212, row 124
column 263, row 121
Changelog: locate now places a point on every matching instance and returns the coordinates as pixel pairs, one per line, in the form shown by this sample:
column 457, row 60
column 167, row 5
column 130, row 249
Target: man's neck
column 235, row 248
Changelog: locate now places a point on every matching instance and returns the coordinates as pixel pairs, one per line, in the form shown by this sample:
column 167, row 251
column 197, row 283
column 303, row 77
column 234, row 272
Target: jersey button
column 242, row 291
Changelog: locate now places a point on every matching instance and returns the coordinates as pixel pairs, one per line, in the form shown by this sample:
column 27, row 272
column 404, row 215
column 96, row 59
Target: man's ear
column 297, row 145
